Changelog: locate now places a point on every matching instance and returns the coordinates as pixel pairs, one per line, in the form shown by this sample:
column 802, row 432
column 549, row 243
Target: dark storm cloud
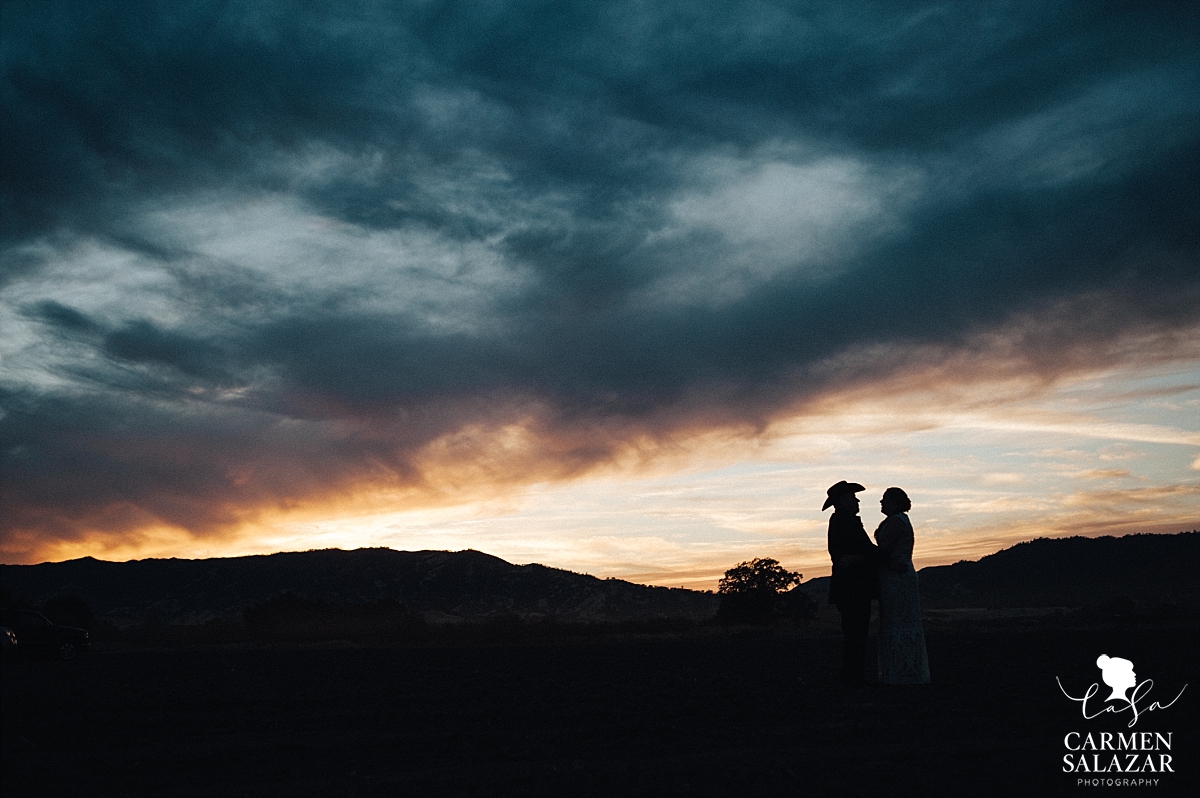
column 599, row 221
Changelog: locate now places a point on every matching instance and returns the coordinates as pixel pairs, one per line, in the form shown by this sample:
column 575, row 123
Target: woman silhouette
column 902, row 655
column 1117, row 674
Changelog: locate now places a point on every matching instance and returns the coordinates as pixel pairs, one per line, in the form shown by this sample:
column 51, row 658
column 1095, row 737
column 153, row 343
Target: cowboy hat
column 837, row 490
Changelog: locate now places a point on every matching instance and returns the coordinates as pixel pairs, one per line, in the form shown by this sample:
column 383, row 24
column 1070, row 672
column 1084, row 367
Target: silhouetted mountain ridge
column 1060, row 572
column 1066, row 572
column 463, row 584
column 1072, row 572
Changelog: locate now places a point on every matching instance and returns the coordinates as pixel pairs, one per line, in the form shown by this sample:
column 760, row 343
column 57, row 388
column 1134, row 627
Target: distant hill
column 464, row 584
column 1066, row 572
column 1072, row 572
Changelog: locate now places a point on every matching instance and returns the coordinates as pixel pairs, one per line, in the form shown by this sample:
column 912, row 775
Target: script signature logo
column 1118, row 674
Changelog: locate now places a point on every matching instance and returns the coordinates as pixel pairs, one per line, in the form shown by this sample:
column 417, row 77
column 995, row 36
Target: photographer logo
column 1111, row 753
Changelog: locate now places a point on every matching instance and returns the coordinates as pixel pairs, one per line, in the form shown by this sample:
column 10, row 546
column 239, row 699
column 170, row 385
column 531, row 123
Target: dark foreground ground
column 710, row 713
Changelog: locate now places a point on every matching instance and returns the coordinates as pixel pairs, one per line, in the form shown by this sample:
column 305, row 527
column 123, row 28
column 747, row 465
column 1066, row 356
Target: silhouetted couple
column 883, row 570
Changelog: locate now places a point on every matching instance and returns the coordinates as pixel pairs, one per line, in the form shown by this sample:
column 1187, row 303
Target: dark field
column 714, row 712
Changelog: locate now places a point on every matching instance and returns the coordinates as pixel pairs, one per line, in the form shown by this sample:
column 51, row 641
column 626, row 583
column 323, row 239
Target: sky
column 615, row 287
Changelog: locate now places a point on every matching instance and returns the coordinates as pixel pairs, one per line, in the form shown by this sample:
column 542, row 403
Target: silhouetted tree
column 750, row 590
column 760, row 574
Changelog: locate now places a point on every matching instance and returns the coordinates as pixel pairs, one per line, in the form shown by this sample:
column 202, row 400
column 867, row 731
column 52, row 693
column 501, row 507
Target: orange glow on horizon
column 522, row 491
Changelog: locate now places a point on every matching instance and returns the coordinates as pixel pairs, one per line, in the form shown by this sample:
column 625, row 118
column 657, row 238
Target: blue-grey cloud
column 239, row 242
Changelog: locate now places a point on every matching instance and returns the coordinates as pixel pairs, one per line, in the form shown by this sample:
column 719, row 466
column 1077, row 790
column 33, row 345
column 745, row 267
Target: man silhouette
column 855, row 580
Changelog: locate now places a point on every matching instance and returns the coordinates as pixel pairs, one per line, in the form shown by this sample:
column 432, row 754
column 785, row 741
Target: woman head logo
column 1117, row 674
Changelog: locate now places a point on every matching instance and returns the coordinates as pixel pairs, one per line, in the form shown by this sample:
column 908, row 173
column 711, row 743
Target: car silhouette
column 37, row 634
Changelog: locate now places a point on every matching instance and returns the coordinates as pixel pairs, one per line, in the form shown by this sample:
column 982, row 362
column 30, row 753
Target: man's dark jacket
column 856, row 581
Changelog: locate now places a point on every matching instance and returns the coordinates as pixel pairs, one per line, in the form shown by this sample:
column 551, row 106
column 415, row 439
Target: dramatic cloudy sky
column 618, row 287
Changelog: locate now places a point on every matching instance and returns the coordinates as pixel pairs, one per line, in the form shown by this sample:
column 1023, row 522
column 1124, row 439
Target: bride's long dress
column 902, row 655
